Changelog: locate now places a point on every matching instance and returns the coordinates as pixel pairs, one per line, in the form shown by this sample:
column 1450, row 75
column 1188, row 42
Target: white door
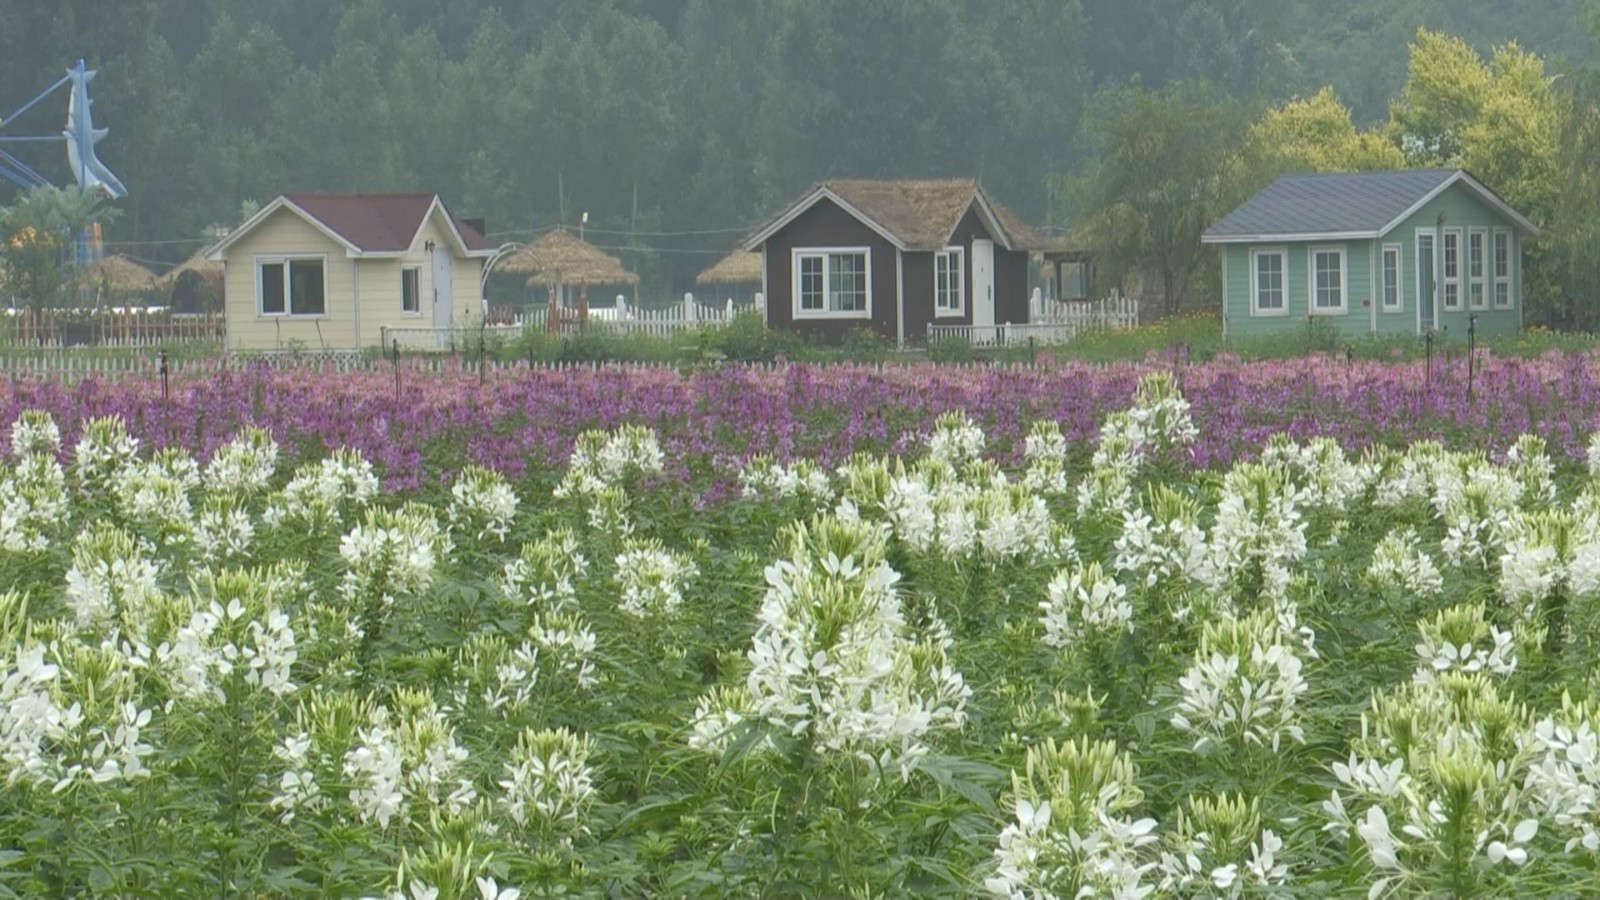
column 443, row 291
column 983, row 289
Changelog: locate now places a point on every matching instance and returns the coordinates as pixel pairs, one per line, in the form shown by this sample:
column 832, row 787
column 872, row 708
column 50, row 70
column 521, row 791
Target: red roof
column 379, row 223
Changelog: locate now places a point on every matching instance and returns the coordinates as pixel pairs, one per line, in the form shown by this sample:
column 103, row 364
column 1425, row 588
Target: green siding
column 1363, row 261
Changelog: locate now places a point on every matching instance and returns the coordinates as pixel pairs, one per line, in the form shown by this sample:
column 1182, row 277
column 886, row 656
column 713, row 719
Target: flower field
column 1313, row 629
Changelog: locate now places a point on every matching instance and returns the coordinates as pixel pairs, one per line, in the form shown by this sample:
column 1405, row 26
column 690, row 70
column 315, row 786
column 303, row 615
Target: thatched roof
column 738, row 267
column 917, row 214
column 196, row 263
column 560, row 257
column 119, row 273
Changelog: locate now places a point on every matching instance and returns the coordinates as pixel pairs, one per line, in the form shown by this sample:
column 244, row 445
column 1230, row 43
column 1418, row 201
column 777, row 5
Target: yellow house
column 346, row 271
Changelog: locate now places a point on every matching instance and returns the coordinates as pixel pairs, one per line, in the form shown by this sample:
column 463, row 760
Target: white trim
column 766, row 294
column 411, row 313
column 1290, row 238
column 1224, row 295
column 1311, row 281
column 461, row 242
column 1446, row 280
column 261, row 259
column 821, row 192
column 1282, row 253
column 1495, row 279
column 991, row 221
column 355, row 304
column 1399, row 251
column 826, row 253
column 1483, row 193
column 960, row 256
column 1482, row 280
column 900, row 296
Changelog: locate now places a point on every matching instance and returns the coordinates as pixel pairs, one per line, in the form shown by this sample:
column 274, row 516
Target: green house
column 1382, row 253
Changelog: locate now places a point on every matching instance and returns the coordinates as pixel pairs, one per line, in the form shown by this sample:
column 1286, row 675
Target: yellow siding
column 284, row 232
column 364, row 295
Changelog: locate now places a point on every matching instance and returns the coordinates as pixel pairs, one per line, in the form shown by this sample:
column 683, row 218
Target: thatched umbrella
column 738, row 267
column 211, row 271
column 560, row 258
column 119, row 274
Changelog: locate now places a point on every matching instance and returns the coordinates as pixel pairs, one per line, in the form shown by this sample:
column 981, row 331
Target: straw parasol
column 559, row 258
column 119, row 273
column 738, row 267
column 209, row 270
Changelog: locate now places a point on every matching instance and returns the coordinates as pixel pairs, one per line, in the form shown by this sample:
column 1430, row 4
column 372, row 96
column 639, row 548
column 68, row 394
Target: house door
column 1426, row 285
column 982, row 285
column 443, row 292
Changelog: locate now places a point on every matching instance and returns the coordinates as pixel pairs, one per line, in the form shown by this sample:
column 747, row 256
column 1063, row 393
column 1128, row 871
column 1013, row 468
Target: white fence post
column 688, row 307
column 622, row 307
column 1036, row 305
column 727, row 311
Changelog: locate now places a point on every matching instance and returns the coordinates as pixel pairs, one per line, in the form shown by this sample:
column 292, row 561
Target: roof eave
column 1462, row 176
column 1304, row 237
column 283, row 202
column 820, row 192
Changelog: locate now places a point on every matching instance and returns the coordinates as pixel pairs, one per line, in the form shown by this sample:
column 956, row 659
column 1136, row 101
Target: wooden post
column 552, row 312
column 583, row 306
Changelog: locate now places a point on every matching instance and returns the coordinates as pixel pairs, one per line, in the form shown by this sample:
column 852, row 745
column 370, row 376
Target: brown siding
column 826, row 225
column 1010, row 286
column 919, row 296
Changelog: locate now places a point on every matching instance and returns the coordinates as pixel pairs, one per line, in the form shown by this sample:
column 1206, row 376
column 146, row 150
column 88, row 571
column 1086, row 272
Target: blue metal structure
column 80, row 136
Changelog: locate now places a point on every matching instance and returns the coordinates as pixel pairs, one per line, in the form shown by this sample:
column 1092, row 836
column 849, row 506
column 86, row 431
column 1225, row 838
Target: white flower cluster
column 392, row 553
column 1528, row 461
column 956, row 440
column 407, row 762
column 1326, row 478
column 1085, row 603
column 1161, row 542
column 33, row 494
column 1072, row 836
column 1548, row 551
column 1157, row 423
column 832, row 655
column 764, row 477
column 154, row 494
column 1442, row 761
column 1242, row 689
column 482, row 504
column 35, row 433
column 242, row 630
column 111, row 585
column 602, row 460
column 1563, row 777
column 1045, row 452
column 1258, row 531
column 1220, row 849
column 544, row 575
column 223, row 530
column 103, row 449
column 325, row 494
column 70, row 719
column 243, row 466
column 1402, row 570
column 1459, row 639
column 548, row 782
column 651, row 579
column 938, row 509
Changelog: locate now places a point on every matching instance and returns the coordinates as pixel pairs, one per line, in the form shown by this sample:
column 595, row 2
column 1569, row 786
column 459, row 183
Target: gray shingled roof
column 1343, row 203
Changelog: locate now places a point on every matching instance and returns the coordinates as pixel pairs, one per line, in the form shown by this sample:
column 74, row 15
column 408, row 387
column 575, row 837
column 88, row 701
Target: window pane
column 1391, row 278
column 305, row 288
column 409, row 290
column 1269, row 281
column 1475, row 255
column 1502, row 294
column 272, row 287
column 1327, row 280
column 1452, row 254
column 1502, row 256
column 847, row 282
column 811, row 282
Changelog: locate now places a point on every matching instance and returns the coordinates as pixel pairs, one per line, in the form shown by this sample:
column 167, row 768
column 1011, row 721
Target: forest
column 677, row 124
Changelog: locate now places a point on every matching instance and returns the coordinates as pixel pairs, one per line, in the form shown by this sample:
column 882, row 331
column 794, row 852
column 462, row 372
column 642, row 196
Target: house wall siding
column 1461, row 209
column 364, row 295
column 1363, row 259
column 827, row 225
column 284, row 233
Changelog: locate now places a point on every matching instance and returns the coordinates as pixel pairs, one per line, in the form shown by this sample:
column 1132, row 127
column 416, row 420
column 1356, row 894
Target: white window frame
column 827, row 253
column 1282, row 253
column 414, row 271
column 283, row 259
column 1496, row 279
column 1446, row 280
column 1478, row 284
column 957, row 259
column 1311, row 281
column 1399, row 303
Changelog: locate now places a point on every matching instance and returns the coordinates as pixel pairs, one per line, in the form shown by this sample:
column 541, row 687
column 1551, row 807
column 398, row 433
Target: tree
column 1318, row 135
column 1163, row 174
column 37, row 233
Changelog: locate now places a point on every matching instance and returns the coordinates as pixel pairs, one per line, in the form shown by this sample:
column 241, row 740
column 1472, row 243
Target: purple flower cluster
column 424, row 425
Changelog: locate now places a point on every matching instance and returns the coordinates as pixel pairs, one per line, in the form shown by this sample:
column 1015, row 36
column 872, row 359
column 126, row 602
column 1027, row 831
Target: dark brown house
column 894, row 256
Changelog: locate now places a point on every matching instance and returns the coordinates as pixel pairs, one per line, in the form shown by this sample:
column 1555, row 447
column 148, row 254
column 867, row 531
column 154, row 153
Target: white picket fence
column 622, row 318
column 1049, row 322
